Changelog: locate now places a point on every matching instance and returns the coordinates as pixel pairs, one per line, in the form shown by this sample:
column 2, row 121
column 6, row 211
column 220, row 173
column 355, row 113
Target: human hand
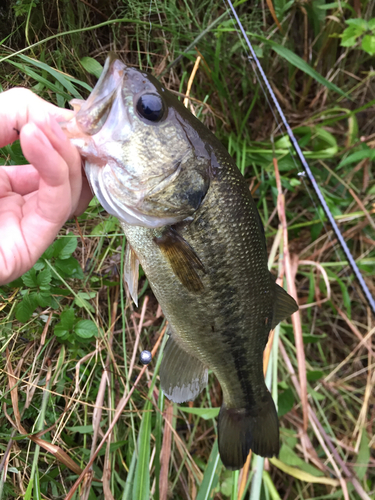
column 36, row 199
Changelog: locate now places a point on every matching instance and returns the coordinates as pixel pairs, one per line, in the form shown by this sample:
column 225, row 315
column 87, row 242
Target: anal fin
column 182, row 376
column 284, row 305
column 131, row 272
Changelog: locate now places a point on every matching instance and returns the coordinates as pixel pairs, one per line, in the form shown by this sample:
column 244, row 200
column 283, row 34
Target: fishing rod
column 369, row 297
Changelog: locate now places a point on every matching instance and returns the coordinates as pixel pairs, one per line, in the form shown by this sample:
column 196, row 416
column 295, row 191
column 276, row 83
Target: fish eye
column 151, row 107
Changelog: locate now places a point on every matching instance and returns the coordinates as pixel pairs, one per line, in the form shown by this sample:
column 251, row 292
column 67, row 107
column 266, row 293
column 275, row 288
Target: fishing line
column 306, row 168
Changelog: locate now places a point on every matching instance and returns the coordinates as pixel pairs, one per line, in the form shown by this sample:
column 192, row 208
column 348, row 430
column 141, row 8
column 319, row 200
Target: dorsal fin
column 284, row 305
column 182, row 258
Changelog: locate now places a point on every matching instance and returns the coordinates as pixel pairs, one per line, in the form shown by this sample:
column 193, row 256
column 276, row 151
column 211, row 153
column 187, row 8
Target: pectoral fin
column 182, row 376
column 131, row 272
column 184, row 261
column 284, row 305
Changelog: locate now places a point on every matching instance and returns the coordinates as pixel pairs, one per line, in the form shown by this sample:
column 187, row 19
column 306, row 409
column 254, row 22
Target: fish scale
column 191, row 222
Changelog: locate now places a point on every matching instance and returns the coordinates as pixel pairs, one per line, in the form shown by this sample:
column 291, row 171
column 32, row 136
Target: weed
column 70, row 338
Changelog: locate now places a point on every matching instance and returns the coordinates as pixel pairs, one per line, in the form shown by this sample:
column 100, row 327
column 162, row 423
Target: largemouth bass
column 191, row 222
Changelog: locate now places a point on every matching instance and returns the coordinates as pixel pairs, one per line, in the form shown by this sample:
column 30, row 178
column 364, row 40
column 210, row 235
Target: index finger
column 19, row 106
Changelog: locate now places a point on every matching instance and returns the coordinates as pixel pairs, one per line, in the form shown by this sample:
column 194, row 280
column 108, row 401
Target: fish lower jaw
column 127, row 214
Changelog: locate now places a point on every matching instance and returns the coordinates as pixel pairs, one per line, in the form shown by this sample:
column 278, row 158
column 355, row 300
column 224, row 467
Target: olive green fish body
column 226, row 325
column 191, row 222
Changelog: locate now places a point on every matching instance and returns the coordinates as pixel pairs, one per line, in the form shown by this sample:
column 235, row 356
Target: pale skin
column 36, row 199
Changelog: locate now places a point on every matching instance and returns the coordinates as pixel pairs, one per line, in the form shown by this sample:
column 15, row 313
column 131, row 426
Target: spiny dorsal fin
column 131, row 272
column 182, row 376
column 184, row 261
column 284, row 305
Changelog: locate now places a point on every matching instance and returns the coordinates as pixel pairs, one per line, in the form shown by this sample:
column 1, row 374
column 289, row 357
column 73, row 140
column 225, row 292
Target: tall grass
column 68, row 377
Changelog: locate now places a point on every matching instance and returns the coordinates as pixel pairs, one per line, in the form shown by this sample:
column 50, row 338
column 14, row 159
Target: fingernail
column 56, row 129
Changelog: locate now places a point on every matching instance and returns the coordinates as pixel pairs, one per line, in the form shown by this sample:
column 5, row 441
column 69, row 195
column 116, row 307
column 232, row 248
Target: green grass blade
column 66, row 81
column 256, row 484
column 235, row 475
column 37, row 77
column 211, row 474
column 299, row 63
column 270, row 486
column 129, row 480
column 141, row 487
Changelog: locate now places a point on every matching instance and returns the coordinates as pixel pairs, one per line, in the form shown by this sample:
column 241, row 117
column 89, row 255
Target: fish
column 192, row 224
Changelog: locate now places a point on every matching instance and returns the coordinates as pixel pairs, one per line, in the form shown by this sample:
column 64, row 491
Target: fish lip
column 109, row 84
column 112, row 77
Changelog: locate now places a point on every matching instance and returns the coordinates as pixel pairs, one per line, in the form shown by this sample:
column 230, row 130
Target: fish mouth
column 92, row 113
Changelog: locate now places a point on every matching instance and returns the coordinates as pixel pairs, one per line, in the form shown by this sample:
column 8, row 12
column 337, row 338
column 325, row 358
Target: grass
column 71, row 359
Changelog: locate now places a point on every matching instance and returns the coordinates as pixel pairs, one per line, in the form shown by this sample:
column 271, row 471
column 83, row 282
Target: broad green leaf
column 107, row 226
column 368, row 44
column 358, row 23
column 64, row 247
column 141, row 486
column 371, row 24
column 350, row 35
column 81, row 301
column 285, row 402
column 92, row 66
column 205, row 413
column 314, row 375
column 15, row 153
column 38, row 266
column 48, row 254
column 60, row 331
column 86, row 329
column 70, row 268
column 67, row 318
column 25, row 309
column 43, row 299
column 29, row 278
column 226, row 486
column 44, row 277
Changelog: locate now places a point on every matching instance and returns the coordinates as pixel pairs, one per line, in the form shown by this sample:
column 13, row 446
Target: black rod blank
column 369, row 297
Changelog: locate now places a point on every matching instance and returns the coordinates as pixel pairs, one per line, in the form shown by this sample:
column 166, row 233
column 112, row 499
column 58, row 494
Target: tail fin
column 242, row 430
